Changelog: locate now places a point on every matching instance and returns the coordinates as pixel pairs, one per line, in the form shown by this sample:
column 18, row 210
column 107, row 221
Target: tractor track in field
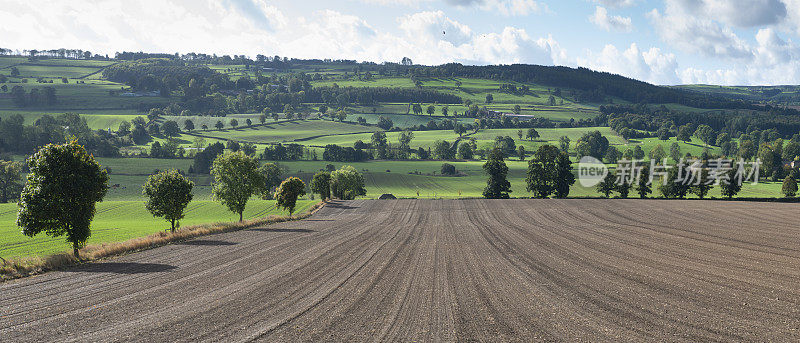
column 443, row 270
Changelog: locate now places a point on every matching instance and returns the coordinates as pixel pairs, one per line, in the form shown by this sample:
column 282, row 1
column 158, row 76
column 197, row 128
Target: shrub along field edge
column 18, row 267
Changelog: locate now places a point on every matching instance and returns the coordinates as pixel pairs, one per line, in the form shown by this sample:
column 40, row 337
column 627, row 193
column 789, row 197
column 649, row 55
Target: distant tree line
column 35, row 97
column 18, row 138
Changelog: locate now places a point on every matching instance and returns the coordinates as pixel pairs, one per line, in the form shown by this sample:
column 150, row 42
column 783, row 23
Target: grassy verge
column 18, row 267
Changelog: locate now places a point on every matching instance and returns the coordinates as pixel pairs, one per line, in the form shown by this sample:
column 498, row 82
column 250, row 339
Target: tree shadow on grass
column 208, row 242
column 283, row 230
column 123, row 268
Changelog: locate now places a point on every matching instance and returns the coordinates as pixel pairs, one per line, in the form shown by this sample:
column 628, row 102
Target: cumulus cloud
column 432, row 25
column 697, row 34
column 437, row 38
column 651, row 65
column 250, row 27
column 610, row 22
column 775, row 62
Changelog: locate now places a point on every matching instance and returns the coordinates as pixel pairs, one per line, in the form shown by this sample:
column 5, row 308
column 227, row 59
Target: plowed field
column 443, row 270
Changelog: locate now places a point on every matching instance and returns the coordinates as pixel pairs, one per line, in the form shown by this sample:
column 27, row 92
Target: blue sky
column 731, row 42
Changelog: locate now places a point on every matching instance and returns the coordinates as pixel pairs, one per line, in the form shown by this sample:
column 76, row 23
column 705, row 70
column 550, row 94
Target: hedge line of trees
column 18, row 138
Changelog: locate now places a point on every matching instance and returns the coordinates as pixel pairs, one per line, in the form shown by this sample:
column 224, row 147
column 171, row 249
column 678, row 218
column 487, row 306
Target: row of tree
column 65, row 182
column 549, row 174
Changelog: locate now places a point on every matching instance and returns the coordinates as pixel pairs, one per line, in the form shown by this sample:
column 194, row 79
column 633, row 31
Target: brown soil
column 443, row 270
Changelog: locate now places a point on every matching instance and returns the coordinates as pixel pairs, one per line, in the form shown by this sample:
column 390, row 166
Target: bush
column 448, row 169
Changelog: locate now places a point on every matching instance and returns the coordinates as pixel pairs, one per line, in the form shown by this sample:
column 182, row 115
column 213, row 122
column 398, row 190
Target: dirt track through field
column 444, row 270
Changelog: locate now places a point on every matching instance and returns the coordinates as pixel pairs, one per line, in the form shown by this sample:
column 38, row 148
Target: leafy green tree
column 685, row 133
column 249, row 122
column 505, row 144
column 262, row 118
column 380, row 144
column 657, row 153
column 347, row 183
column 704, row 185
column 612, row 155
column 10, row 174
column 675, row 187
column 236, row 179
column 564, row 177
column 321, row 184
column 643, row 185
column 443, row 150
column 723, row 138
column 288, row 192
column 549, row 171
column 675, row 151
column 170, row 128
column 448, row 169
column 592, row 144
column 234, row 123
column 445, row 110
column 404, row 141
column 533, row 134
column 521, row 153
column 219, row 125
column 517, row 109
column 417, row 109
column 288, row 111
column 385, row 123
column 431, row 110
column 706, row 134
column 272, row 178
column 638, row 153
column 188, row 125
column 789, row 188
column 497, row 186
column 168, row 194
column 465, row 151
column 747, row 149
column 624, row 189
column 730, row 186
column 607, row 185
column 791, row 150
column 489, row 98
column 124, row 128
column 63, row 185
column 563, row 143
column 663, row 133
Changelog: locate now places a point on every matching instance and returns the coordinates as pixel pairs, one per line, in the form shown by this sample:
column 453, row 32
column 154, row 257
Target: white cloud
column 608, row 23
column 250, row 27
column 652, row 65
column 504, row 7
column 434, row 39
column 616, row 3
column 434, row 26
column 775, row 62
column 741, row 13
column 697, row 35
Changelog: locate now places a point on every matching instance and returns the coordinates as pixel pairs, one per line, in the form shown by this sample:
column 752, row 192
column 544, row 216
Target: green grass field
column 122, row 220
column 404, row 179
column 75, row 97
column 289, row 131
column 485, row 138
